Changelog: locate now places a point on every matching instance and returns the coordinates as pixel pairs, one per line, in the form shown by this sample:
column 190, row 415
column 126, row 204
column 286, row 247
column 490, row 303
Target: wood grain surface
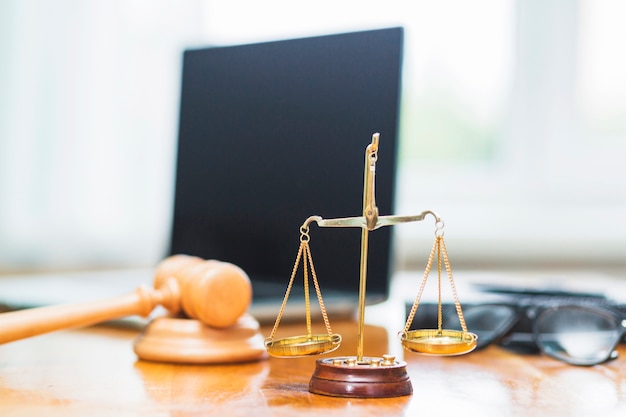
column 94, row 372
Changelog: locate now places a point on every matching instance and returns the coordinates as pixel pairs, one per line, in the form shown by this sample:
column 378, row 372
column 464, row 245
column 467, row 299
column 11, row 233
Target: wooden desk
column 94, row 372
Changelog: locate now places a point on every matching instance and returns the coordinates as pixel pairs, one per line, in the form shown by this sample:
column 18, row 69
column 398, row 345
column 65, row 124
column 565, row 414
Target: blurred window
column 513, row 124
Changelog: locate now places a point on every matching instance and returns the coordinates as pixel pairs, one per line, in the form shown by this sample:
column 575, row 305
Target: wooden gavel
column 213, row 292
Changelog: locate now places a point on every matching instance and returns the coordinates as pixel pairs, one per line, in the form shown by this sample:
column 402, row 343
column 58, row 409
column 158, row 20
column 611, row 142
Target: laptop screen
column 272, row 133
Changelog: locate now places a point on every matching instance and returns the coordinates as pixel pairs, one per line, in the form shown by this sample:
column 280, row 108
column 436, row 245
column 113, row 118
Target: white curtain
column 513, row 124
column 88, row 119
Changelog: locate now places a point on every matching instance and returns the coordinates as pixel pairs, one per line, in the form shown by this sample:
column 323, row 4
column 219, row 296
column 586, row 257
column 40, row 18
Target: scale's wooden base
column 369, row 378
column 182, row 340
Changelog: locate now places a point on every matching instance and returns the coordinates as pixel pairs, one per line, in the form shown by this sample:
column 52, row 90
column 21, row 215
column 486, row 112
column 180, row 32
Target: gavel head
column 214, row 292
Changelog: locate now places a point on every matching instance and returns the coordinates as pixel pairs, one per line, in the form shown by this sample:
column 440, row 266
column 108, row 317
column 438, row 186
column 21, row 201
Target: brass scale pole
column 367, row 222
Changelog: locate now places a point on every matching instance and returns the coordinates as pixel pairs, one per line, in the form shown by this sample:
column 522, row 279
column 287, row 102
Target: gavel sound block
column 207, row 300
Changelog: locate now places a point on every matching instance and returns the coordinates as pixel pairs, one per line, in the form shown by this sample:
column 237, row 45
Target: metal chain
column 439, row 302
column 303, row 243
column 319, row 293
column 307, row 300
column 457, row 303
column 439, row 248
column 429, row 264
column 307, row 262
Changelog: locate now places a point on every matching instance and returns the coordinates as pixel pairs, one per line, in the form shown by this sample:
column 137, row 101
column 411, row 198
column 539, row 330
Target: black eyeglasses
column 575, row 334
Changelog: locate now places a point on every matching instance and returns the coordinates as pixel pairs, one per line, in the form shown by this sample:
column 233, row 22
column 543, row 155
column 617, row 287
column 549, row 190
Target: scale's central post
column 370, row 214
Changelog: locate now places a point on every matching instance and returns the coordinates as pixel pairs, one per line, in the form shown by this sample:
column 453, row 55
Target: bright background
column 513, row 123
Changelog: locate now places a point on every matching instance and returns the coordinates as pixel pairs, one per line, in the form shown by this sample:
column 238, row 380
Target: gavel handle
column 21, row 324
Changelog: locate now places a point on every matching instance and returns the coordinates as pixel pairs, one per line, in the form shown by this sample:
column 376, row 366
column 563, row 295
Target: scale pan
column 306, row 345
column 438, row 342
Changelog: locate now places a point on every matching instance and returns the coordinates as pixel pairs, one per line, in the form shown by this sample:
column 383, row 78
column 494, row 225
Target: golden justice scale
column 360, row 376
column 207, row 324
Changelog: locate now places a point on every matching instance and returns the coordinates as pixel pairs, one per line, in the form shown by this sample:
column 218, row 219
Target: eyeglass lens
column 577, row 336
column 488, row 322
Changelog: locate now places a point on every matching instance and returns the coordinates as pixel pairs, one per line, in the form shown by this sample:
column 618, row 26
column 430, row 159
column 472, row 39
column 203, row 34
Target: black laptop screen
column 272, row 133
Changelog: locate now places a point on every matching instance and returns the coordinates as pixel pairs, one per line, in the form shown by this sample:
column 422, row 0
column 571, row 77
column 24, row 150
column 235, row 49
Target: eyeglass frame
column 527, row 312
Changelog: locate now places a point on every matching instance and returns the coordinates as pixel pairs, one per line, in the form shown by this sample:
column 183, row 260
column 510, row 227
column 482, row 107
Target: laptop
column 271, row 133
